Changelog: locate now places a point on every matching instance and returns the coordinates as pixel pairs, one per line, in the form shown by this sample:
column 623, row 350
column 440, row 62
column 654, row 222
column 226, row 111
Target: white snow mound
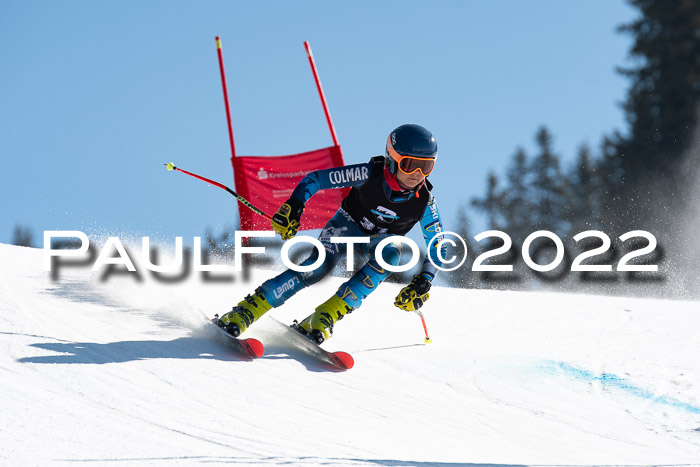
column 126, row 371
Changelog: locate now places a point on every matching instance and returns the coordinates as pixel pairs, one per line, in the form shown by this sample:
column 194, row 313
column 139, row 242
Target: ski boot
column 241, row 316
column 319, row 325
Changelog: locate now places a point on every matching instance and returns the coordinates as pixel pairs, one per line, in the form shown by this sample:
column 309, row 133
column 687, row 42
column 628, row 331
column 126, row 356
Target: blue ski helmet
column 409, row 148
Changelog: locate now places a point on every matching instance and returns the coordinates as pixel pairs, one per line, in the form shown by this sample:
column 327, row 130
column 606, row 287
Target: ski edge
column 339, row 360
column 250, row 347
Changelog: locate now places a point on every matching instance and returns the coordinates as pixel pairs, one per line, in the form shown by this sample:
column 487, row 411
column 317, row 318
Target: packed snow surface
column 124, row 369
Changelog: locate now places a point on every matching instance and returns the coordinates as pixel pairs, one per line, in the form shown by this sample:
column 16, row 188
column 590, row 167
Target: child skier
column 389, row 195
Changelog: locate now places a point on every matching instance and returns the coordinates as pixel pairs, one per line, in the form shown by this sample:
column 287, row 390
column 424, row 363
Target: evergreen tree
column 518, row 206
column 549, row 190
column 492, row 204
column 585, row 193
column 660, row 109
column 22, row 236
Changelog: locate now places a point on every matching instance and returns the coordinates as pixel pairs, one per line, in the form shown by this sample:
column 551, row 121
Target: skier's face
column 411, row 180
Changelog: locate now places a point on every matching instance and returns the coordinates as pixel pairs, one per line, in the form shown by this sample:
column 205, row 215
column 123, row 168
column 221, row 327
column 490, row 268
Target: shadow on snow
column 127, row 351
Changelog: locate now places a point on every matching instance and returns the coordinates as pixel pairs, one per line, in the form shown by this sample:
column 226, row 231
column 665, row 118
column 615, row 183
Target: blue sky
column 96, row 96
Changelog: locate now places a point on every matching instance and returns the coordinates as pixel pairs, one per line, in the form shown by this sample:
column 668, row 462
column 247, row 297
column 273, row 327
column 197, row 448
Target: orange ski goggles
column 409, row 164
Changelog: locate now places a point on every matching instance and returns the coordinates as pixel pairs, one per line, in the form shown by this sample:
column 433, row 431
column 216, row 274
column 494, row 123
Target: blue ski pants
column 279, row 289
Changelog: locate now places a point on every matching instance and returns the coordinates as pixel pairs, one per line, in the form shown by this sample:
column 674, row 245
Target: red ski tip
column 343, row 359
column 254, row 346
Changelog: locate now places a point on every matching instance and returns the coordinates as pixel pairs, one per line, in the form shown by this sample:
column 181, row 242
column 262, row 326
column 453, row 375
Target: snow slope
column 127, row 372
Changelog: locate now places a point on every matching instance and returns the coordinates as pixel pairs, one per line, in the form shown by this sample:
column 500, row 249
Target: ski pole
column 428, row 340
column 247, row 203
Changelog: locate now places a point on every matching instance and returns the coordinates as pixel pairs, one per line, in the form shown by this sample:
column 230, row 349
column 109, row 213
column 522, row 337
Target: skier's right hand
column 414, row 295
column 286, row 219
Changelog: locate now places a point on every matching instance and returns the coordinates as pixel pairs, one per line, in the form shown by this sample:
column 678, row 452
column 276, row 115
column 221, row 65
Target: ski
column 251, row 348
column 339, row 360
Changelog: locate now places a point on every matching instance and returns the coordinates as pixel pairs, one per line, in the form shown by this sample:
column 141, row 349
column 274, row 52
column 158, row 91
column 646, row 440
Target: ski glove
column 286, row 219
column 412, row 297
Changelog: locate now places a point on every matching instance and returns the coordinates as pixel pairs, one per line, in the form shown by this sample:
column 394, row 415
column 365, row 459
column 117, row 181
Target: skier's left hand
column 412, row 297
